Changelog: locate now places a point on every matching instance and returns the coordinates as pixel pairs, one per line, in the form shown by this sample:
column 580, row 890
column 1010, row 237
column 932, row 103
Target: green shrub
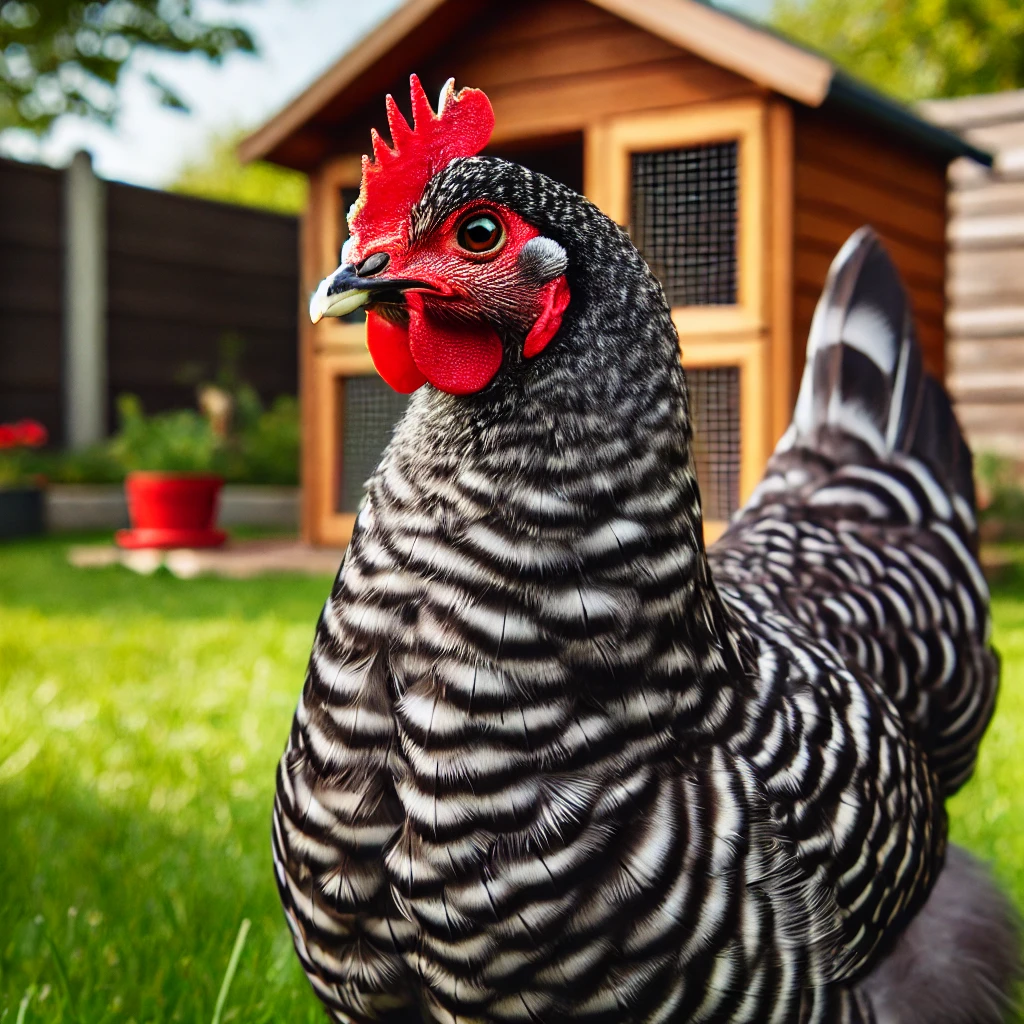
column 171, row 442
column 268, row 447
column 263, row 447
column 1000, row 488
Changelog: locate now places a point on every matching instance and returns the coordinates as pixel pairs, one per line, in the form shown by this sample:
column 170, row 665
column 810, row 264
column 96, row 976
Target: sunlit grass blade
column 23, row 1005
column 62, row 974
column 229, row 974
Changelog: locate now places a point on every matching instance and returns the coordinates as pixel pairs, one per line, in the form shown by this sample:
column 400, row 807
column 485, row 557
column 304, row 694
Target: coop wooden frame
column 750, row 357
column 607, row 171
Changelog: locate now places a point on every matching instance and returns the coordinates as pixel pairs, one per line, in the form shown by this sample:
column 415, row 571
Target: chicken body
column 553, row 762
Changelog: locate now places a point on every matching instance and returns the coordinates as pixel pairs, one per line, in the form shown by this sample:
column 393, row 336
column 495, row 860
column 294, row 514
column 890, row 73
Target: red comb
column 396, row 177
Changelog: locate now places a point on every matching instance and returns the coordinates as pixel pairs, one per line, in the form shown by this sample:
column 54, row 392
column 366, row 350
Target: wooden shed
column 739, row 161
column 985, row 320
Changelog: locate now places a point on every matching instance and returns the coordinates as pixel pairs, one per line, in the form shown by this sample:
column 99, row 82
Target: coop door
column 690, row 188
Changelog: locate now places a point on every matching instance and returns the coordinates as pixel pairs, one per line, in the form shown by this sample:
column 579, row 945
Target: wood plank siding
column 846, row 175
column 31, row 282
column 986, row 272
column 549, row 68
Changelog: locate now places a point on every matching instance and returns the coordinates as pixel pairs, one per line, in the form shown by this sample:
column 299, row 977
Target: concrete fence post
column 85, row 304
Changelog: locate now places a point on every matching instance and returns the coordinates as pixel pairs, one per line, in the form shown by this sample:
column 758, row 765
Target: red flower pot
column 171, row 510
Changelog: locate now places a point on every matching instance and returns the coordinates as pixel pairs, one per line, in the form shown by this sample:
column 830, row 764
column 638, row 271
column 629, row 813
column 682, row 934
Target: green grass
column 140, row 723
column 987, row 815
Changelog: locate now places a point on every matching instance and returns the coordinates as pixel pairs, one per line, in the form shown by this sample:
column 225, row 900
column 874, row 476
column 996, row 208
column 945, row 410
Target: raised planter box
column 102, row 507
column 21, row 511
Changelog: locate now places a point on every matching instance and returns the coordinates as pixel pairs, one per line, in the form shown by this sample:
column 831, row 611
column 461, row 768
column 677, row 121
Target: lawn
column 140, row 723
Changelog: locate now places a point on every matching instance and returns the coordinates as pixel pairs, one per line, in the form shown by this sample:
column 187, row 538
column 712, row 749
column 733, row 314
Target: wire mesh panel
column 369, row 412
column 715, row 411
column 683, row 220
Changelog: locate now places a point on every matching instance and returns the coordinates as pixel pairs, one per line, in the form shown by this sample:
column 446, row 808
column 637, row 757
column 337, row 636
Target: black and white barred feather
column 552, row 762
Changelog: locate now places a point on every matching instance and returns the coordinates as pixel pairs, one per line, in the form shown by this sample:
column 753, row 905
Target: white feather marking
column 869, row 331
column 966, row 559
column 359, row 720
column 900, row 493
column 855, row 496
column 847, row 414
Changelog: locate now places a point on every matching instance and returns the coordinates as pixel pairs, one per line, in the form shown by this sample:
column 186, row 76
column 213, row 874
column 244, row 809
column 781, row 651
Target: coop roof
column 725, row 39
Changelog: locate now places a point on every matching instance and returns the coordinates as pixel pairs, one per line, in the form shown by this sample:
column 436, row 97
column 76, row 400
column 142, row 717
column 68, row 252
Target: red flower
column 24, row 433
column 33, row 433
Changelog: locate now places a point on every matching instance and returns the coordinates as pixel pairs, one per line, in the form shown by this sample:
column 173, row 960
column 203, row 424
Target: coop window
column 683, row 220
column 715, row 412
column 369, row 412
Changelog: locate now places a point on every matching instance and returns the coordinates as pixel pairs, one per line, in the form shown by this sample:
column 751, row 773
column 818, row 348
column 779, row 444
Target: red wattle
column 556, row 299
column 456, row 357
column 389, row 349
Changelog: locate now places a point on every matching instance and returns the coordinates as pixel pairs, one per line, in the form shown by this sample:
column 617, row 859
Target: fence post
column 85, row 304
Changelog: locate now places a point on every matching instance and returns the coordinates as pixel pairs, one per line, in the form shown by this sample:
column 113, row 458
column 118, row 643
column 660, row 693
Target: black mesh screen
column 683, row 220
column 715, row 410
column 369, row 412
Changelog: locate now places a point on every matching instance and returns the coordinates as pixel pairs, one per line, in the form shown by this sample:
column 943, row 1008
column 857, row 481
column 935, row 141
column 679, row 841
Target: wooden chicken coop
column 739, row 161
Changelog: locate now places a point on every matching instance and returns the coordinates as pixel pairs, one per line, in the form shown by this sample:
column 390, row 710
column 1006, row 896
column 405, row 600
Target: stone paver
column 238, row 559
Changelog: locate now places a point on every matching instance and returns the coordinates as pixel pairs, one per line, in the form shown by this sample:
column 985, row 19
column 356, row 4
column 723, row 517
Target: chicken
column 555, row 762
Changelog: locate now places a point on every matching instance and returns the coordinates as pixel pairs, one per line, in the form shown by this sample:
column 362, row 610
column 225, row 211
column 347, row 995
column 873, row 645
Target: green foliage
column 263, row 449
column 18, row 467
column 220, row 175
column 140, row 725
column 1000, row 488
column 915, row 49
column 269, row 446
column 93, row 465
column 173, row 442
column 986, row 815
column 67, row 56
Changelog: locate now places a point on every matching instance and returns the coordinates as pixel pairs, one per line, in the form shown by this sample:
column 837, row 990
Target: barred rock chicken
column 553, row 761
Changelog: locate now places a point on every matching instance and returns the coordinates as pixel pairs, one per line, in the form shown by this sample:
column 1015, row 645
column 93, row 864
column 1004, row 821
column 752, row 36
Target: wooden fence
column 31, row 261
column 985, row 282
column 184, row 281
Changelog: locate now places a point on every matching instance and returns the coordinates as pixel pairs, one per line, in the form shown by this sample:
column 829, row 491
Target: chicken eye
column 480, row 233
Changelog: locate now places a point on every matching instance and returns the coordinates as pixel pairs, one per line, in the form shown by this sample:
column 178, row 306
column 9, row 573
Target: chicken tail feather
column 864, row 376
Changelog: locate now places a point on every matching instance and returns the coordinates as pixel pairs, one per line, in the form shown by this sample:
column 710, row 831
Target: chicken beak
column 340, row 293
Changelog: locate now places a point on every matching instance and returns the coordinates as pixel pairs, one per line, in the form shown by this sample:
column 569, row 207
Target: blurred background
column 173, row 181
